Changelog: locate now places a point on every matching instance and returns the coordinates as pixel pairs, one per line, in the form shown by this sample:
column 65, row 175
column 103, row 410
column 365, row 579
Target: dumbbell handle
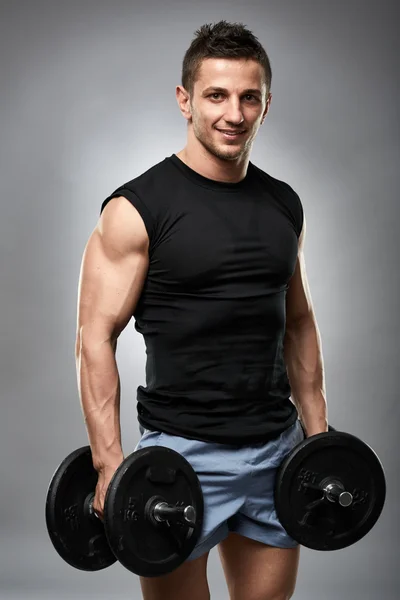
column 161, row 512
column 166, row 512
column 334, row 491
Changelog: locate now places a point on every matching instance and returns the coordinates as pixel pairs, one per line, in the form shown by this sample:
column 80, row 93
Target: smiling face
column 229, row 95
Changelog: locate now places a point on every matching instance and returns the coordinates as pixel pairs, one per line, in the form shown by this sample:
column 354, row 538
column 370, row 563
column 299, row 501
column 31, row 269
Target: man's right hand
column 105, row 474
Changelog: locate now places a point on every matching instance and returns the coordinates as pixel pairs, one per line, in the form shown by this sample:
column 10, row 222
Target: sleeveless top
column 212, row 309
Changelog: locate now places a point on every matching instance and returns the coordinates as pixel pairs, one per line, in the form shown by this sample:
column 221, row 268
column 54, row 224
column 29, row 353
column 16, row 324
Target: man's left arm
column 303, row 351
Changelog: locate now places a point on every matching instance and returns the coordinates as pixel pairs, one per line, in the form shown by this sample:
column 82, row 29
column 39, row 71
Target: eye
column 251, row 96
column 245, row 96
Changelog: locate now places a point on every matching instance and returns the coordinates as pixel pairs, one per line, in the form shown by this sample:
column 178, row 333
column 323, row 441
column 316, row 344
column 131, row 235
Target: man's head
column 228, row 57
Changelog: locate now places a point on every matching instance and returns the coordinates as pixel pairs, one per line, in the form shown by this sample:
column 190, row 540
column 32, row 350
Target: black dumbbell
column 330, row 491
column 153, row 512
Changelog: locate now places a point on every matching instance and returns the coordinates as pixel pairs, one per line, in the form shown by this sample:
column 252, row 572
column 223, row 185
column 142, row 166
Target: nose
column 233, row 114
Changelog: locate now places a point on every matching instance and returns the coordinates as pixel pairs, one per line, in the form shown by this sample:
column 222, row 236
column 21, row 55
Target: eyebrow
column 225, row 91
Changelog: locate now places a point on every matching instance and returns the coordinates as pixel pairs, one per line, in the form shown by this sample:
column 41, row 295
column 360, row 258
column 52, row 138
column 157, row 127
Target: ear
column 183, row 99
column 268, row 105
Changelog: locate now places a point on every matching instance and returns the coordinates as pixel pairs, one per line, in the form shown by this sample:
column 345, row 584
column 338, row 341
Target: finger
column 99, row 514
column 98, row 509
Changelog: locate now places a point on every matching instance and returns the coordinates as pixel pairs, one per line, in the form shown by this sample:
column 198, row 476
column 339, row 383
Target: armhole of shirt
column 137, row 203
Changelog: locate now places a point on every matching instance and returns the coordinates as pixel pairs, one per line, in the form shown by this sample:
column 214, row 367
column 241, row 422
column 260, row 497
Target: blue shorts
column 237, row 483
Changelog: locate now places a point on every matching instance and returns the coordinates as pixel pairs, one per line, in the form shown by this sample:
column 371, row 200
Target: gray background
column 87, row 103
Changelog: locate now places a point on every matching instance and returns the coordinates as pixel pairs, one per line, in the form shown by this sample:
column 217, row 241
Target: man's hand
column 103, row 481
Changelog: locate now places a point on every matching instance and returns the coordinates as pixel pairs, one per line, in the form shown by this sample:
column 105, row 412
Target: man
column 205, row 250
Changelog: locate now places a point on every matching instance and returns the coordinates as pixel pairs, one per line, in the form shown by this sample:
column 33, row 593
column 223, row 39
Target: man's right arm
column 113, row 271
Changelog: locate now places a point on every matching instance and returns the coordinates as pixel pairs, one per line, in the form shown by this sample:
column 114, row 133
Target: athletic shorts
column 237, row 484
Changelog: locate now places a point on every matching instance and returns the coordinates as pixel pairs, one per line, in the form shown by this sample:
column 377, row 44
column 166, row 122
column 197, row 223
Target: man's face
column 235, row 109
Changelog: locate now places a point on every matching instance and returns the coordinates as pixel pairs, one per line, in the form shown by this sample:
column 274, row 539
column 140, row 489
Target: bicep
column 113, row 270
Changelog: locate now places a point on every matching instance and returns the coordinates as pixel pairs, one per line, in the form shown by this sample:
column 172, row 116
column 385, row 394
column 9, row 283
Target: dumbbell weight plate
column 143, row 547
column 329, row 526
column 78, row 538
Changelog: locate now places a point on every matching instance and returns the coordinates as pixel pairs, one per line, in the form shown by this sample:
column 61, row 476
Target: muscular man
column 205, row 250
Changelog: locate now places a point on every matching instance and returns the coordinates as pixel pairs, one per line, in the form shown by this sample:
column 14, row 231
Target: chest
column 224, row 244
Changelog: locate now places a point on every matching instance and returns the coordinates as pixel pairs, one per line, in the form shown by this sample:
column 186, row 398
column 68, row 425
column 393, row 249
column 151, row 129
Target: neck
column 212, row 167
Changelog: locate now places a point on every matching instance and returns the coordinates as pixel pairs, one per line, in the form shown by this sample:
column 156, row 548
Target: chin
column 224, row 155
column 221, row 150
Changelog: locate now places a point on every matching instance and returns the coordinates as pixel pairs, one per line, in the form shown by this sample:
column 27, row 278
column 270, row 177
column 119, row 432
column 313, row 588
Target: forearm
column 99, row 390
column 304, row 364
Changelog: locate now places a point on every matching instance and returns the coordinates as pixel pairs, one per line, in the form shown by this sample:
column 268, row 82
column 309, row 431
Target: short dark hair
column 222, row 40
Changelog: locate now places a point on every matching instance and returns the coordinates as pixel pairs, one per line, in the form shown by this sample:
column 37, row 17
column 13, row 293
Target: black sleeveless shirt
column 212, row 309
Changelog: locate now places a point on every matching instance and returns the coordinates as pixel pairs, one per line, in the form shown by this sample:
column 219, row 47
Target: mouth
column 234, row 135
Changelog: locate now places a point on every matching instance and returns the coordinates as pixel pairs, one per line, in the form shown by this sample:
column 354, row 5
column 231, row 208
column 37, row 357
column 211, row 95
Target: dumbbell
column 153, row 512
column 330, row 491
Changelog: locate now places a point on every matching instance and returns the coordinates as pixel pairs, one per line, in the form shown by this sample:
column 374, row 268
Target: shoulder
column 276, row 183
column 122, row 228
column 143, row 186
column 144, row 192
column 285, row 193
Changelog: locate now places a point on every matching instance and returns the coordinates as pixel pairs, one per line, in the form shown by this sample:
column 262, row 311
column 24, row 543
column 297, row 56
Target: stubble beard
column 222, row 152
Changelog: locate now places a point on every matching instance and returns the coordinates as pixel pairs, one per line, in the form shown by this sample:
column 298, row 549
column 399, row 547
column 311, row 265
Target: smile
column 231, row 135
